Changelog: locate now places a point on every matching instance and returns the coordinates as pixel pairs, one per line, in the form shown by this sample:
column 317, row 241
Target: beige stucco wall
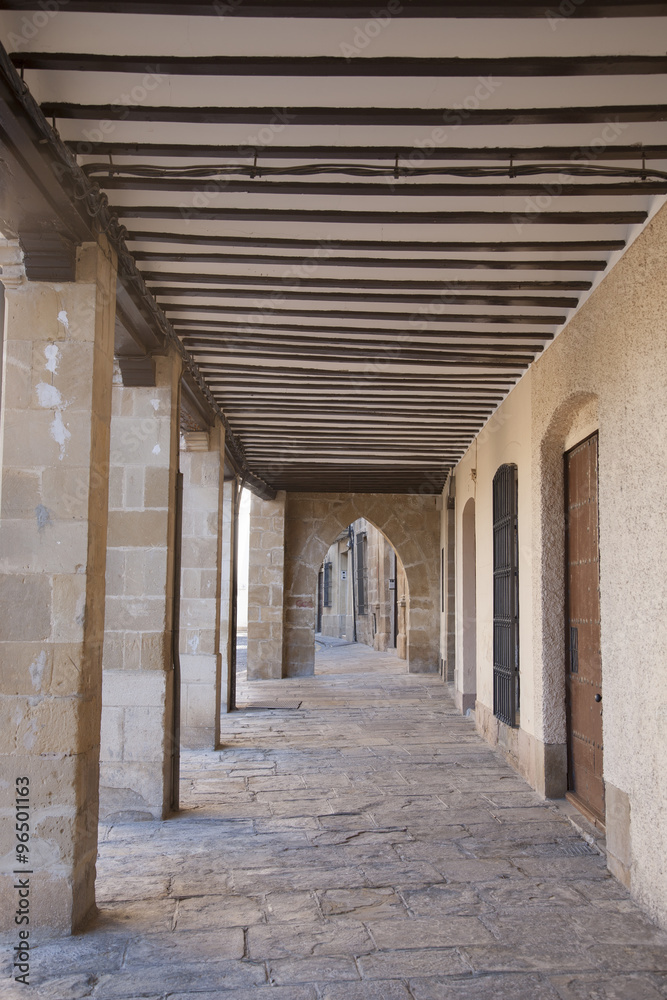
column 607, row 370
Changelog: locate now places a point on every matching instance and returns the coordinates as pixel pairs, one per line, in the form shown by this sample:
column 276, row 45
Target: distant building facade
column 361, row 590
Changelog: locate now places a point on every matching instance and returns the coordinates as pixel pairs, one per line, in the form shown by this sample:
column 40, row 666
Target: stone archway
column 375, row 615
column 411, row 524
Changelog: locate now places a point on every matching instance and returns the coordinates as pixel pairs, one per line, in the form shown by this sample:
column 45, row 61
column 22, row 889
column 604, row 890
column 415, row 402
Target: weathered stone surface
column 311, row 970
column 340, row 912
column 601, row 987
column 54, row 448
column 491, row 987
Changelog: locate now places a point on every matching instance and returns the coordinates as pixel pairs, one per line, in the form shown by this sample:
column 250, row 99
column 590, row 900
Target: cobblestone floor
column 366, row 844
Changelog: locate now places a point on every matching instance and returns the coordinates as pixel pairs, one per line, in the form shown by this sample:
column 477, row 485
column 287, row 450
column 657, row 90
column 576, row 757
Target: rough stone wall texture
column 135, row 777
column 56, row 404
column 313, row 521
column 608, row 369
column 265, row 587
column 201, row 550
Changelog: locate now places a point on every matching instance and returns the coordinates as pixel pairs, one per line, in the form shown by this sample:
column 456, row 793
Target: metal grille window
column 505, row 595
column 326, row 581
column 361, row 573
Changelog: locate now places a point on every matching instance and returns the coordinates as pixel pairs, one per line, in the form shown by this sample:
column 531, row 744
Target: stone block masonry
column 54, row 448
column 201, row 588
column 265, row 587
column 137, row 714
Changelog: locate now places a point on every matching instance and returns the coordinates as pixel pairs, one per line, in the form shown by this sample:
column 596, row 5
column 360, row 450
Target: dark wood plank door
column 584, row 662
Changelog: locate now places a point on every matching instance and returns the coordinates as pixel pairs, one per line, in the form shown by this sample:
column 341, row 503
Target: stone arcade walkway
column 367, row 844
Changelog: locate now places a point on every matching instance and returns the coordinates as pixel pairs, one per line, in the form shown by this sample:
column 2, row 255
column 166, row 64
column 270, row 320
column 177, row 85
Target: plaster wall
column 608, row 371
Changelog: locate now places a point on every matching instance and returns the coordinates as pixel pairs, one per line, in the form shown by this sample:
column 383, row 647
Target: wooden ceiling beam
column 358, row 116
column 443, row 154
column 414, row 285
column 212, row 333
column 460, row 263
column 387, row 217
column 352, row 8
column 338, row 66
column 341, row 295
column 472, row 318
column 325, row 246
column 400, row 188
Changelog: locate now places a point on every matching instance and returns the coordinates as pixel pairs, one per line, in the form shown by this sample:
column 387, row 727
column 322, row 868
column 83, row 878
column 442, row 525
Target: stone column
column 266, row 588
column 226, row 573
column 54, row 448
column 202, row 465
column 137, row 718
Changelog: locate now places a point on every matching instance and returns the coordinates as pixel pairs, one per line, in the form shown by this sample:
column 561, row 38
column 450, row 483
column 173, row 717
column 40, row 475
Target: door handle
column 598, row 697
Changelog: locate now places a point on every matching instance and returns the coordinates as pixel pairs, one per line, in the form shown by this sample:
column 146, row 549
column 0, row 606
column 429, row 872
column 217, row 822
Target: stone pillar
column 54, row 443
column 137, row 717
column 266, row 588
column 226, row 573
column 202, row 465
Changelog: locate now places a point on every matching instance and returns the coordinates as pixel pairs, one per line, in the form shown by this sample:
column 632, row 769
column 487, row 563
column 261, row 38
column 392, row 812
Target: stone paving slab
column 367, row 846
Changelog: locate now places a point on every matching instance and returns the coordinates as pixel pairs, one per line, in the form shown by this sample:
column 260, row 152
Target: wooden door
column 584, row 662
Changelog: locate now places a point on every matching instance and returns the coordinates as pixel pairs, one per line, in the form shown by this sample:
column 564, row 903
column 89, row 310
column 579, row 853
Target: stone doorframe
column 411, row 524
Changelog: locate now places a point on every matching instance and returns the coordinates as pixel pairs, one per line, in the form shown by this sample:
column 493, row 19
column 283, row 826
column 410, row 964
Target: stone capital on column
column 12, row 268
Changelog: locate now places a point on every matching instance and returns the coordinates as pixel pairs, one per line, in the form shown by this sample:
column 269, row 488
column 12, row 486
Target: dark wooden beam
column 282, row 373
column 462, row 360
column 354, row 8
column 47, row 256
column 463, row 318
column 456, row 263
column 137, row 371
column 258, row 331
column 386, row 217
column 413, row 154
column 412, row 285
column 410, row 117
column 353, row 296
column 402, row 246
column 338, row 66
column 399, row 188
column 408, row 349
column 427, row 403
